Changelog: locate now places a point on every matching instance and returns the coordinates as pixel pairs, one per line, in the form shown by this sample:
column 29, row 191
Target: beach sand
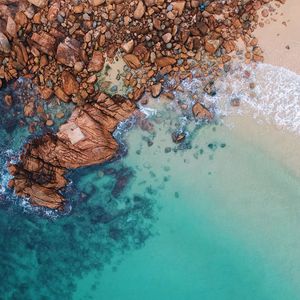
column 279, row 38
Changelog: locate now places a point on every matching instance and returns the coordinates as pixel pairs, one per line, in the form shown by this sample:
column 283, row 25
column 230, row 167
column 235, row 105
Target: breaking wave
column 268, row 93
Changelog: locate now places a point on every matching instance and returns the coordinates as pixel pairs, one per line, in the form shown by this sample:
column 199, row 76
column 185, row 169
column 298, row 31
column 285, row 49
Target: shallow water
column 216, row 217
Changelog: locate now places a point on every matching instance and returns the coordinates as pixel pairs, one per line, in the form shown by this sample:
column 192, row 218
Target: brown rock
column 96, row 2
column 128, row 47
column 4, row 43
column 139, row 11
column 38, row 3
column 156, row 90
column 165, row 61
column 69, row 83
column 68, row 52
column 44, row 42
column 49, row 123
column 132, row 61
column 211, row 46
column 11, row 27
column 97, row 62
column 201, row 112
column 45, row 92
column 29, row 109
column 8, row 100
column 61, row 95
column 167, row 37
column 86, row 139
column 178, row 6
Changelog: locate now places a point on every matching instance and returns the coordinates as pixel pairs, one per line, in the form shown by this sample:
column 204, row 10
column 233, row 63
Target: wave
column 268, row 93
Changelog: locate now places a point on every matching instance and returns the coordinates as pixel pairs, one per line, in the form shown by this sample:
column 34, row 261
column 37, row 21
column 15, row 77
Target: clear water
column 215, row 218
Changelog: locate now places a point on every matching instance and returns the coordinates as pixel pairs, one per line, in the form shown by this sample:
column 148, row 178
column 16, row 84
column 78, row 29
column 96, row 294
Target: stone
column 139, row 11
column 165, row 61
column 69, row 83
column 4, row 43
column 211, row 46
column 167, row 37
column 132, row 61
column 68, row 52
column 235, row 101
column 29, row 109
column 156, row 89
column 61, row 95
column 38, row 3
column 96, row 2
column 96, row 64
column 128, row 47
column 44, row 42
column 49, row 123
column 178, row 137
column 201, row 112
column 179, row 7
column 11, row 27
column 8, row 100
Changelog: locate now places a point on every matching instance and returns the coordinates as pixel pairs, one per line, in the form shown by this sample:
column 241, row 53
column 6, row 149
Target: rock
column 235, row 101
column 149, row 2
column 4, row 43
column 96, row 2
column 38, row 3
column 128, row 47
column 139, row 11
column 69, row 83
column 132, row 61
column 165, row 61
column 44, row 42
column 179, row 7
column 8, row 100
column 59, row 115
column 49, row 123
column 61, row 95
column 29, row 109
column 97, row 62
column 167, row 37
column 68, row 52
column 86, row 139
column 156, row 90
column 211, row 46
column 201, row 112
column 11, row 27
column 178, row 137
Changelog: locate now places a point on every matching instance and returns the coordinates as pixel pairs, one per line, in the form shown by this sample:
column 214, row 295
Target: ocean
column 215, row 217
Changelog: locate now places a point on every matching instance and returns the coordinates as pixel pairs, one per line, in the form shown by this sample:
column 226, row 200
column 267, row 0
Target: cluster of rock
column 86, row 139
column 63, row 45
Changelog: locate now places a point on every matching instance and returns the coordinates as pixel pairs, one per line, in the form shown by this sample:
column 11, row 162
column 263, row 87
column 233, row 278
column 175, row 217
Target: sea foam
column 274, row 96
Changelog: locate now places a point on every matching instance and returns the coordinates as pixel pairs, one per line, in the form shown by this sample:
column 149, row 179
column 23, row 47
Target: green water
column 216, row 220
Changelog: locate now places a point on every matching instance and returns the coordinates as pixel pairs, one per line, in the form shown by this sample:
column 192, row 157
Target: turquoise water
column 227, row 227
column 216, row 217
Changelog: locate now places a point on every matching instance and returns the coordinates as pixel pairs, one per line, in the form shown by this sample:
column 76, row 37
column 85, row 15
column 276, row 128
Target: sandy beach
column 279, row 38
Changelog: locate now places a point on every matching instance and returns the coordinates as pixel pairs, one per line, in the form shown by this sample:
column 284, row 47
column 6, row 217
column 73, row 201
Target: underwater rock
column 86, row 139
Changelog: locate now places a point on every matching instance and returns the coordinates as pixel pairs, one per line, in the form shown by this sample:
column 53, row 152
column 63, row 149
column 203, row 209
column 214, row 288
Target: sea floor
column 216, row 217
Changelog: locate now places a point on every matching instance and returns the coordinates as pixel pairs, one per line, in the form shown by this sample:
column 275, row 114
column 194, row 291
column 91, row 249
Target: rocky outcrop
column 86, row 139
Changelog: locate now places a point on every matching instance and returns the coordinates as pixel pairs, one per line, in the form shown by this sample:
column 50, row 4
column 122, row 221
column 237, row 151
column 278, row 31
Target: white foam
column 275, row 98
